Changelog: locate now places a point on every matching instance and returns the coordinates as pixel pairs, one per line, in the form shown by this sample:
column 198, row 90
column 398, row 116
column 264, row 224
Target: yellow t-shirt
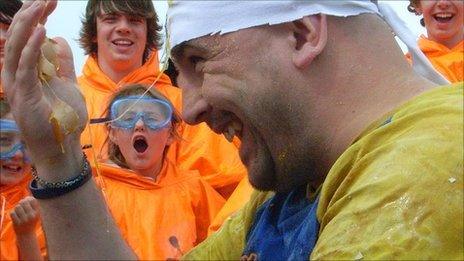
column 395, row 193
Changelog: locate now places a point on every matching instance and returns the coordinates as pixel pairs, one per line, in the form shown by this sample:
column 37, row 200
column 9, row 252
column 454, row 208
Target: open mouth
column 123, row 43
column 443, row 17
column 12, row 168
column 232, row 128
column 140, row 144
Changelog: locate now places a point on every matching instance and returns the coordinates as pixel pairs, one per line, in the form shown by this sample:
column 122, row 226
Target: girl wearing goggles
column 21, row 235
column 174, row 207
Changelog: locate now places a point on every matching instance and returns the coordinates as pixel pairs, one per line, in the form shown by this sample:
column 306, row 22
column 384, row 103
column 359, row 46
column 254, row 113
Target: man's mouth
column 233, row 129
column 443, row 17
column 122, row 42
column 140, row 144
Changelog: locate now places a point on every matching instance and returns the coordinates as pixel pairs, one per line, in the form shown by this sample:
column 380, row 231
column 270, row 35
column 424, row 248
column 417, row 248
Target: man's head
column 7, row 10
column 142, row 9
column 269, row 85
column 442, row 19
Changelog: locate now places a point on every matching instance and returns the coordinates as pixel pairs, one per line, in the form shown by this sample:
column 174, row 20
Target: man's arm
column 78, row 224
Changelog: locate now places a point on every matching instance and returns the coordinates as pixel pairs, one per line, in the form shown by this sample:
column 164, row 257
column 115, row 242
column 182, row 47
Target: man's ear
column 310, row 37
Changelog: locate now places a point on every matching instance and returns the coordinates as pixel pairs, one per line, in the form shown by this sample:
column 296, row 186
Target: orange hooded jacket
column 449, row 62
column 160, row 219
column 236, row 201
column 9, row 197
column 199, row 149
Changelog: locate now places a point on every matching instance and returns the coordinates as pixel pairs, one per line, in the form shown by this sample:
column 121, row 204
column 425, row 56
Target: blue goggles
column 10, row 140
column 127, row 111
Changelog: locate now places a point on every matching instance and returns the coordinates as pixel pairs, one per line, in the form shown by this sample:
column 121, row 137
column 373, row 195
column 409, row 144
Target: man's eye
column 196, row 62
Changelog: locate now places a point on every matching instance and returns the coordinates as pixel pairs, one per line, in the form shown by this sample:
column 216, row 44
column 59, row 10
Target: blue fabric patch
column 285, row 228
column 387, row 121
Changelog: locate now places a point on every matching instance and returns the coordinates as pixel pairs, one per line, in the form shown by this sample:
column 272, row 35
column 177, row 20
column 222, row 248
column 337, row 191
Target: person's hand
column 25, row 216
column 25, row 92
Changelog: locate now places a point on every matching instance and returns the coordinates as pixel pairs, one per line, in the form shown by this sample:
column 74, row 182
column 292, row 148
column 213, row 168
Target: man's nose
column 195, row 109
column 123, row 25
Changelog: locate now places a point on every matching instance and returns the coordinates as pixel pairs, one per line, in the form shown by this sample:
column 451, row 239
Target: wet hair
column 8, row 8
column 142, row 8
column 4, row 107
column 114, row 152
column 413, row 4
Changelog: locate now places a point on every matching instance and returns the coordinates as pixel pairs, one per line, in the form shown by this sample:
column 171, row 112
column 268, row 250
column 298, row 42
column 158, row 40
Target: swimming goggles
column 127, row 111
column 10, row 140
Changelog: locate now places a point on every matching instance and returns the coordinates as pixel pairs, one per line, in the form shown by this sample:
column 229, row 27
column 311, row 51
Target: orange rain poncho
column 449, row 62
column 164, row 218
column 10, row 196
column 236, row 201
column 199, row 148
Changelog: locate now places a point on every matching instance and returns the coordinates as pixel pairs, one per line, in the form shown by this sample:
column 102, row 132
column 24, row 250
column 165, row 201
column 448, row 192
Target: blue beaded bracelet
column 52, row 190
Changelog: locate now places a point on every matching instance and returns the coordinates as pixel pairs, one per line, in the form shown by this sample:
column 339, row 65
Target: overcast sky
column 65, row 22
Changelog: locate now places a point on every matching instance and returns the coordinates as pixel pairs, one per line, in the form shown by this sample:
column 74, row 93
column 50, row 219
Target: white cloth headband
column 193, row 19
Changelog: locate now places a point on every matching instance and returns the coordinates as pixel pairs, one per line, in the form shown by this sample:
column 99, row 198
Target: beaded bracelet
column 55, row 189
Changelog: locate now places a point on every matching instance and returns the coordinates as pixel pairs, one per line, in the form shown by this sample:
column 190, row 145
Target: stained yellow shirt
column 395, row 193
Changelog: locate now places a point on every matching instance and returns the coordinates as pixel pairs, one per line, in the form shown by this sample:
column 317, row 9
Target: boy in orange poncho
column 121, row 38
column 161, row 210
column 21, row 236
column 444, row 44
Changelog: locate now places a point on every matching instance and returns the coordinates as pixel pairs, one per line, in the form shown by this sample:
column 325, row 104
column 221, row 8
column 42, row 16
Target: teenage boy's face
column 443, row 19
column 121, row 39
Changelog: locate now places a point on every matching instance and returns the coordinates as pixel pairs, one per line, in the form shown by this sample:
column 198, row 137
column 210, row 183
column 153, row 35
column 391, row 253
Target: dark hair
column 8, row 8
column 114, row 152
column 142, row 8
column 413, row 4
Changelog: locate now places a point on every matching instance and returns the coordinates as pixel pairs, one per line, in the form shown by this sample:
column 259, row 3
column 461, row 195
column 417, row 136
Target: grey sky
column 65, row 22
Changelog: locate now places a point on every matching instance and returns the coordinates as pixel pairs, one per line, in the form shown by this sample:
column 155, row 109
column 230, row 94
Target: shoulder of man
column 397, row 192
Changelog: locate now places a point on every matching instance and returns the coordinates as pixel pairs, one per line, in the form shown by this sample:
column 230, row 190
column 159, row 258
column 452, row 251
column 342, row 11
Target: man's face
column 443, row 19
column 121, row 39
column 237, row 84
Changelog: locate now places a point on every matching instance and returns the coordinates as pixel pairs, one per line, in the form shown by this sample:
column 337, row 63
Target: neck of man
column 372, row 79
column 117, row 70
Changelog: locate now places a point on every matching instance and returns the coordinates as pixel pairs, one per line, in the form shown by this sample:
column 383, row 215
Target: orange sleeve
column 235, row 202
column 206, row 206
column 213, row 156
column 8, row 247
